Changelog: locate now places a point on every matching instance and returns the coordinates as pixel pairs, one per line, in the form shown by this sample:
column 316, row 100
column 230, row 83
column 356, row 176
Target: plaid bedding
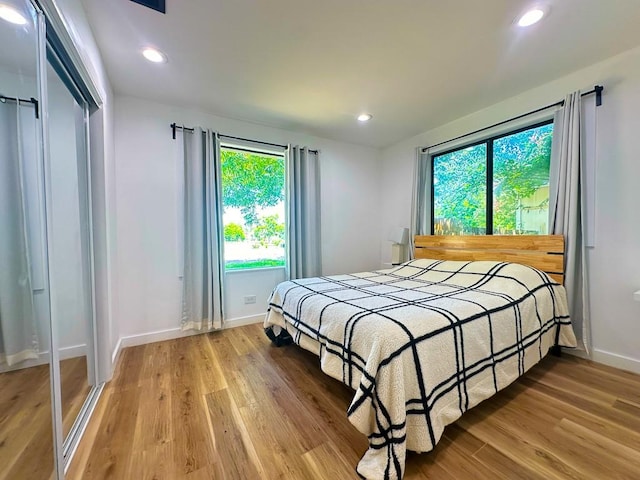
column 422, row 343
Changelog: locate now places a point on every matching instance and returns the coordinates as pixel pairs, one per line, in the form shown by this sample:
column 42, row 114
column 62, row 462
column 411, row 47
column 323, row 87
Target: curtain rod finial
column 598, row 89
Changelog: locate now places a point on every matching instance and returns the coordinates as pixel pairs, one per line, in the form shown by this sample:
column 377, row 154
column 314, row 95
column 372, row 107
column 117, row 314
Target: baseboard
column 116, row 352
column 64, row 353
column 607, row 358
column 242, row 321
column 615, row 360
column 72, row 352
column 173, row 333
column 152, row 337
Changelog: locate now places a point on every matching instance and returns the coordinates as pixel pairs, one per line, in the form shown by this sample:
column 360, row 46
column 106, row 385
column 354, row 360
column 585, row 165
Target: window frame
column 489, row 169
column 246, row 146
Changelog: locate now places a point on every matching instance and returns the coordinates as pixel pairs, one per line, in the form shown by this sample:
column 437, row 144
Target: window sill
column 252, row 270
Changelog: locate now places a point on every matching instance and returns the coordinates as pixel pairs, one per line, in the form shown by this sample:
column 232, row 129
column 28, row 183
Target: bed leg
column 556, row 351
column 281, row 339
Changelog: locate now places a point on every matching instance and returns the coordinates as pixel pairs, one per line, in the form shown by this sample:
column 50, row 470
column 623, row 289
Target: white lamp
column 400, row 237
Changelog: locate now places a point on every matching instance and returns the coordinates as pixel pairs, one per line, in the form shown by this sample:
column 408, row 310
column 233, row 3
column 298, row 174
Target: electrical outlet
column 249, row 299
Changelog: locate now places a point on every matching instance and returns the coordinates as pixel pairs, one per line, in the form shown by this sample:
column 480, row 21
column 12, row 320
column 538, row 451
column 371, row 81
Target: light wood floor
column 228, row 405
column 26, row 438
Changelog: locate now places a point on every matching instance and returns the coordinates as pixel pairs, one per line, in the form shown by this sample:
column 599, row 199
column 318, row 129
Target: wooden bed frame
column 544, row 252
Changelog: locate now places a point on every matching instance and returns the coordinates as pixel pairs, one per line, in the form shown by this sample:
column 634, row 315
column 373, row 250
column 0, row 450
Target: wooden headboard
column 544, row 252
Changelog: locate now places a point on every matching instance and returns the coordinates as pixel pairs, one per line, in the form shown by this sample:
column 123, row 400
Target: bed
column 424, row 341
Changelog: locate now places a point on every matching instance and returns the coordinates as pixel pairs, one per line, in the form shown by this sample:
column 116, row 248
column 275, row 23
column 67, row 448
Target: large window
column 253, row 199
column 498, row 186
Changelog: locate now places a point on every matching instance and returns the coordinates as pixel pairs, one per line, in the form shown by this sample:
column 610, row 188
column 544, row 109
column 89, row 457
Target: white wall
column 147, row 216
column 614, row 263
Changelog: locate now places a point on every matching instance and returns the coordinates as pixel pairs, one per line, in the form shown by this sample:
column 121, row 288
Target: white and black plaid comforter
column 422, row 343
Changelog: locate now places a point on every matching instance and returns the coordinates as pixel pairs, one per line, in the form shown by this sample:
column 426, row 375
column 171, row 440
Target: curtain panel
column 421, row 198
column 566, row 208
column 202, row 307
column 303, row 213
column 18, row 329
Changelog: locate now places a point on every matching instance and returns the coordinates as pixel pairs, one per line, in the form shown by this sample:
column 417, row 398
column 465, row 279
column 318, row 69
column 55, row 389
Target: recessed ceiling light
column 364, row 117
column 153, row 55
column 531, row 17
column 10, row 14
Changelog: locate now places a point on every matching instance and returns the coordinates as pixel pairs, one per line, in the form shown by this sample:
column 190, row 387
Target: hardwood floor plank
column 326, row 399
column 192, row 442
column 632, row 409
column 75, row 388
column 277, row 446
column 608, row 455
column 584, row 403
column 155, row 463
column 234, row 451
column 615, row 430
column 463, row 439
column 210, row 371
column 616, row 382
column 30, row 456
column 240, row 342
column 280, row 400
column 128, row 376
column 236, row 407
column 117, row 429
column 505, row 467
column 26, row 436
column 325, row 463
column 540, row 429
column 448, row 460
column 154, row 429
column 520, row 450
column 85, row 448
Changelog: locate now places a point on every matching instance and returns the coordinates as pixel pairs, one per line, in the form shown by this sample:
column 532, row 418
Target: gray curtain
column 18, row 330
column 421, row 198
column 202, row 242
column 566, row 208
column 303, row 195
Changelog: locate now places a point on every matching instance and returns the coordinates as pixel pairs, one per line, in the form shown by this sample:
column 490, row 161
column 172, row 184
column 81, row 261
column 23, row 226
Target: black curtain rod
column 175, row 127
column 597, row 90
column 252, row 141
column 31, row 100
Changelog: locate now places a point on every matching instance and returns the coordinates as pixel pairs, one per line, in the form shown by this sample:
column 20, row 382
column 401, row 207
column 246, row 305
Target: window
column 253, row 200
column 498, row 186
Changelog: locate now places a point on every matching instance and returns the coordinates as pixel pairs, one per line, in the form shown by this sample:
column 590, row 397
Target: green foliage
column 459, row 180
column 520, row 167
column 239, row 265
column 270, row 231
column 233, row 233
column 250, row 181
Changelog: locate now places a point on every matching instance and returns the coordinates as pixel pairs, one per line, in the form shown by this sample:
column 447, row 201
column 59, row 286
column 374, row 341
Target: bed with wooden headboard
column 424, row 341
column 544, row 252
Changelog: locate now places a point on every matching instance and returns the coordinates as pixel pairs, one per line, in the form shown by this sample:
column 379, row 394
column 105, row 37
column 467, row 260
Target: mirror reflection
column 69, row 260
column 26, row 438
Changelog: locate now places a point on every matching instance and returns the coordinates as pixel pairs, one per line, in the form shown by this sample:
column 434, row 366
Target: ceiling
column 314, row 65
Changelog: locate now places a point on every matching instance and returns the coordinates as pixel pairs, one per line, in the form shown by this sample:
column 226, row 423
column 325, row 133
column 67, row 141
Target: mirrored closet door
column 47, row 319
column 70, row 264
column 26, row 407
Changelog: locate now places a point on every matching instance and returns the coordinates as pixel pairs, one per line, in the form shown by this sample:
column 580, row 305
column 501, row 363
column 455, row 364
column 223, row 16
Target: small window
column 253, row 200
column 499, row 186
